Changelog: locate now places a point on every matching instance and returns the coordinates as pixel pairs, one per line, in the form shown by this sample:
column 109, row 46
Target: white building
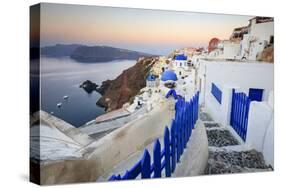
column 181, row 66
column 152, row 81
column 250, row 78
column 231, row 49
column 227, row 49
column 246, row 42
column 260, row 35
column 180, row 61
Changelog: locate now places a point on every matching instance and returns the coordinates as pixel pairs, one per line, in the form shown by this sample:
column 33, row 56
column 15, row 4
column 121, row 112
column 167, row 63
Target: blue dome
column 180, row 57
column 150, row 78
column 169, row 75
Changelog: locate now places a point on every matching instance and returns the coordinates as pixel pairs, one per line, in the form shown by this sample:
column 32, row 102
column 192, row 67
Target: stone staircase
column 228, row 154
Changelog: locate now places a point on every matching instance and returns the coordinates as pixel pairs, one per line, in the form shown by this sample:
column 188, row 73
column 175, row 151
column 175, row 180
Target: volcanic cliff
column 126, row 86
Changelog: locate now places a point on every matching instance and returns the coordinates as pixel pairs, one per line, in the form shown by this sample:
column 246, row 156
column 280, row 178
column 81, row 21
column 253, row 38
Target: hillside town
column 241, row 66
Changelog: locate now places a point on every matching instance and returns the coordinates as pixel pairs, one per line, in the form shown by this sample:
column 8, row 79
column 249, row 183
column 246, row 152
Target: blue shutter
column 255, row 94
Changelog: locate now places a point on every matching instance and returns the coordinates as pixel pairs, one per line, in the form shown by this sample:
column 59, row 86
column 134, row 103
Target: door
column 255, row 94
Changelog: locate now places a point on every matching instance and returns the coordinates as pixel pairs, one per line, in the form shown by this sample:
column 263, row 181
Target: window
column 216, row 93
column 255, row 94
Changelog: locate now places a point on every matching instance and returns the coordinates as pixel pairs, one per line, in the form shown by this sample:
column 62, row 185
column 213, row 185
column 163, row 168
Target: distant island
column 91, row 54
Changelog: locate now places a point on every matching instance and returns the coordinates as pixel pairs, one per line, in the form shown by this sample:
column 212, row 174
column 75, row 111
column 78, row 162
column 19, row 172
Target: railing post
column 178, row 140
column 185, row 124
column 182, row 130
column 232, row 107
column 245, row 123
column 118, row 177
column 157, row 159
column 243, row 114
column 240, row 113
column 167, row 152
column 197, row 105
column 191, row 113
column 126, row 176
column 112, row 178
column 173, row 144
column 145, row 165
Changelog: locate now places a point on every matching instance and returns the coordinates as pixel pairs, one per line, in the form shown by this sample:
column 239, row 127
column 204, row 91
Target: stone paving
column 212, row 125
column 225, row 160
column 220, row 138
column 235, row 162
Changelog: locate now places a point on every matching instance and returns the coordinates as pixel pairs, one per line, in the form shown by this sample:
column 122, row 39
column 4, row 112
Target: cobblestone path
column 227, row 154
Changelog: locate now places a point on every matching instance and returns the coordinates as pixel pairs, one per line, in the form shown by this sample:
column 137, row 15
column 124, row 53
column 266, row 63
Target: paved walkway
column 228, row 154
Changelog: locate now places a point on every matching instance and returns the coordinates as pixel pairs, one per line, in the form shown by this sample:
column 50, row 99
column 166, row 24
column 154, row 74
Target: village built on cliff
column 229, row 68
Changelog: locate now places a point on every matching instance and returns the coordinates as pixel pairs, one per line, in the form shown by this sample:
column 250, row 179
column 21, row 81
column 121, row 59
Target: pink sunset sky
column 152, row 31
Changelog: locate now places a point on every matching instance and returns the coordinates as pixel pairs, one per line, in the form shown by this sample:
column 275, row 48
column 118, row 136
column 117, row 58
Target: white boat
column 59, row 105
column 65, row 97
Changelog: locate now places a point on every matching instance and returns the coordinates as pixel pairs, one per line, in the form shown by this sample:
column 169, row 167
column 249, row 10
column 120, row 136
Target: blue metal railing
column 175, row 140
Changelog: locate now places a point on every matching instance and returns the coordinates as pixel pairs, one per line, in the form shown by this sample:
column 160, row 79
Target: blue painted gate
column 239, row 113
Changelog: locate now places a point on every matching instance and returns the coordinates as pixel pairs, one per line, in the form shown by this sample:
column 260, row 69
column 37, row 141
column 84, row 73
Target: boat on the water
column 59, row 105
column 65, row 97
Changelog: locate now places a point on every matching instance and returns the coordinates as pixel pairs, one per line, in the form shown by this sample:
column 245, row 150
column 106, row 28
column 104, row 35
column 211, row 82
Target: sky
column 151, row 31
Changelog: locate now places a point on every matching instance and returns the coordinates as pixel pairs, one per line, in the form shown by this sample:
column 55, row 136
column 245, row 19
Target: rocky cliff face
column 126, row 86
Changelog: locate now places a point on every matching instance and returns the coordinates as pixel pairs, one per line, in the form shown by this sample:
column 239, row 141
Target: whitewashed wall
column 242, row 76
column 260, row 133
column 268, row 144
column 238, row 75
column 220, row 111
column 262, row 31
column 230, row 50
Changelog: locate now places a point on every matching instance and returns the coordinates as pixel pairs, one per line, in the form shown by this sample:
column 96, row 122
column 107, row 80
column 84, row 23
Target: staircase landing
column 228, row 154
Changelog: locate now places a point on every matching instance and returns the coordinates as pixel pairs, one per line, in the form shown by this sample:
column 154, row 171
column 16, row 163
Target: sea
column 62, row 77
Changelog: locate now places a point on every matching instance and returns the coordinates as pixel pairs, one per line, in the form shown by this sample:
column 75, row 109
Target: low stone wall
column 66, row 128
column 103, row 155
column 195, row 157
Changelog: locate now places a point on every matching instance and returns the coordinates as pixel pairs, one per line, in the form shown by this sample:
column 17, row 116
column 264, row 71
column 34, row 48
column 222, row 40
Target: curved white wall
column 260, row 131
column 268, row 146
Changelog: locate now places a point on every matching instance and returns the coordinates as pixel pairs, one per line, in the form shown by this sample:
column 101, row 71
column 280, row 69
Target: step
column 220, row 138
column 236, row 162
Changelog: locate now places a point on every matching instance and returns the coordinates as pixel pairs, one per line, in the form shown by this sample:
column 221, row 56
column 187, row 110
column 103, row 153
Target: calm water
column 63, row 76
